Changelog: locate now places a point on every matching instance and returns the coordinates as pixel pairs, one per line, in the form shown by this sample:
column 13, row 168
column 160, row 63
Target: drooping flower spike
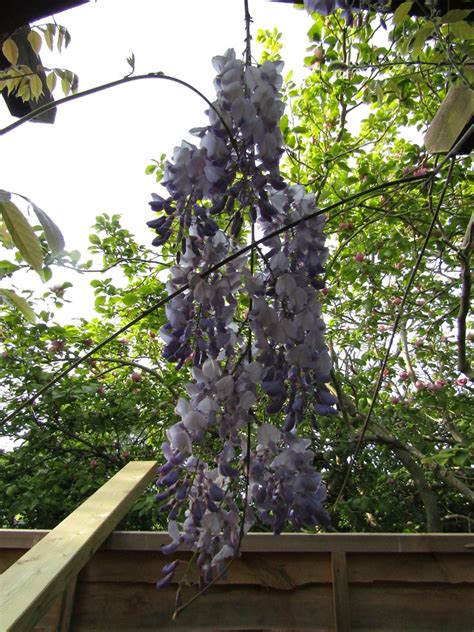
column 251, row 332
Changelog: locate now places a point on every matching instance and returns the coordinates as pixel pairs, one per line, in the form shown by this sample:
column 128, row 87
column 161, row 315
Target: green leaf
column 22, row 234
column 75, row 255
column 421, row 36
column 460, row 458
column 49, row 34
column 463, row 30
column 7, row 267
column 65, row 86
column 401, row 12
column 130, row 299
column 456, row 15
column 47, row 274
column 51, row 81
column 5, row 238
column 53, row 235
column 36, row 86
column 17, row 301
column 35, row 41
column 10, row 50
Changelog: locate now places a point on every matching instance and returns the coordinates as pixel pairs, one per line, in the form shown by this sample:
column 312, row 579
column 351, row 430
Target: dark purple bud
column 210, row 228
column 197, row 512
column 170, row 348
column 157, row 203
column 169, row 548
column 225, row 469
column 274, row 387
column 236, row 225
column 260, row 494
column 212, row 506
column 298, row 404
column 289, row 422
column 166, row 581
column 215, row 492
column 218, row 207
column 162, row 239
column 163, row 495
column 259, row 181
column 169, row 479
column 157, row 223
column 322, row 409
column 182, row 491
column 170, row 568
column 166, row 467
column 277, row 183
column 326, row 397
column 275, row 405
column 178, row 458
column 173, row 514
column 267, row 211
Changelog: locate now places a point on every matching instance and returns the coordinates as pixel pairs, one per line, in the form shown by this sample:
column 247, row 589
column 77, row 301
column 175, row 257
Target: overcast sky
column 92, row 159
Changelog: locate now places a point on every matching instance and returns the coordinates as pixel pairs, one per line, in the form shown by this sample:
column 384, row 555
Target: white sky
column 92, row 159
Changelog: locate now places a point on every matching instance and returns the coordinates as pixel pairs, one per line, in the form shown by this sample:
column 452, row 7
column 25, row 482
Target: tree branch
column 464, row 255
column 428, row 497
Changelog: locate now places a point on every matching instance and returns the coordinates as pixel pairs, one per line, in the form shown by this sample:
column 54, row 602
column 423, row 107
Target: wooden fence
column 287, row 583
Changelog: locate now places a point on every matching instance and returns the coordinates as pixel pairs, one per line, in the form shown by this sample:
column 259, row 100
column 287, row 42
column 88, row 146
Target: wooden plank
column 315, row 542
column 274, row 570
column 21, row 538
column 31, row 584
column 141, row 607
column 340, row 592
column 67, row 606
column 287, row 542
column 423, row 608
column 449, row 568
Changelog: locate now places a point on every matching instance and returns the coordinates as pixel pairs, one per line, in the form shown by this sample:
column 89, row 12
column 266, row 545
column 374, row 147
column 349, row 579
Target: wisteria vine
column 251, row 332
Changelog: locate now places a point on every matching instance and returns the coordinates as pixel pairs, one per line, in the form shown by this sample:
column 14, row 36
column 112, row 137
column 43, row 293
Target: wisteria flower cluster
column 250, row 330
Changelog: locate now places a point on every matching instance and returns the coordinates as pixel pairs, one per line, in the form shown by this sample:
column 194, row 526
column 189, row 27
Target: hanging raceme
column 251, row 331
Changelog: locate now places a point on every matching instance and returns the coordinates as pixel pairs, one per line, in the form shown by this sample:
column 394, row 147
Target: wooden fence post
column 340, row 592
column 30, row 585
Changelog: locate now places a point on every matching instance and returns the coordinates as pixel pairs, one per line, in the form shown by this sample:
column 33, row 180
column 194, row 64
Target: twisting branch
column 464, row 255
column 384, row 436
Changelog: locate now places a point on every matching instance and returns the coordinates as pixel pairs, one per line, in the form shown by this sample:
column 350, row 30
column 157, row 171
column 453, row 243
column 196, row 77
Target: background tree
column 414, row 472
column 419, row 442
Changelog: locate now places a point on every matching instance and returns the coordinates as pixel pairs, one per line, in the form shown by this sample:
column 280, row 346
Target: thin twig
column 112, row 84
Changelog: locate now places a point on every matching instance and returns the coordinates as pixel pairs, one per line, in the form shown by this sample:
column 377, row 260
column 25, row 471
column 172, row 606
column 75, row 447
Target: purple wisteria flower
column 250, row 331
